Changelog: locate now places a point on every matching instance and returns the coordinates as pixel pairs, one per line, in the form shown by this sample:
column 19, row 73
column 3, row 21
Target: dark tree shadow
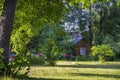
column 96, row 75
column 102, row 66
column 23, row 77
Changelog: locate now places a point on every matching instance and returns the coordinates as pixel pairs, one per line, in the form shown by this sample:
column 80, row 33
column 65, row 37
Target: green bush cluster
column 102, row 52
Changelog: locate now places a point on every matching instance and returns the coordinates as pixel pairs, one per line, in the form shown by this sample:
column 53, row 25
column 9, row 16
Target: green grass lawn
column 67, row 70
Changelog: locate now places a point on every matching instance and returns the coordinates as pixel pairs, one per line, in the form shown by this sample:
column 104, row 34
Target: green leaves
column 86, row 3
column 1, row 5
column 1, row 50
column 32, row 16
column 20, row 38
column 118, row 3
column 102, row 51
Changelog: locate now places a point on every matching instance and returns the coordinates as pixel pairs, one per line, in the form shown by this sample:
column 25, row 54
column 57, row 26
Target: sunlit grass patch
column 69, row 70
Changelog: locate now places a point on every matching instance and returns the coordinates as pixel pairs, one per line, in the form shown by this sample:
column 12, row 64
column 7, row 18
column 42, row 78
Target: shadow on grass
column 103, row 66
column 96, row 75
column 23, row 77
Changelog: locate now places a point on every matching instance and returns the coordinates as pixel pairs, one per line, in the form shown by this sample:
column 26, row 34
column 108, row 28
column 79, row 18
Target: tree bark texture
column 90, row 26
column 90, row 34
column 6, row 23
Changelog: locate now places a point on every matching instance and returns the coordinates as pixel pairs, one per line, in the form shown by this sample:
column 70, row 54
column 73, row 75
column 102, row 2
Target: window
column 82, row 51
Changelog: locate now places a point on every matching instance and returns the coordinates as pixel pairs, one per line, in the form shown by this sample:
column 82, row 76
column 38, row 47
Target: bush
column 51, row 51
column 103, row 52
column 37, row 60
column 67, row 56
column 115, row 46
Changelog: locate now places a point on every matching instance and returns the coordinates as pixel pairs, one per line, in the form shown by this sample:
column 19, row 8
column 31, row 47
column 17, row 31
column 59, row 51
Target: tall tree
column 35, row 14
column 6, row 23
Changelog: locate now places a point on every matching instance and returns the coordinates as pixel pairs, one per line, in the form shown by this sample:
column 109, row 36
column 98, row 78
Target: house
column 81, row 45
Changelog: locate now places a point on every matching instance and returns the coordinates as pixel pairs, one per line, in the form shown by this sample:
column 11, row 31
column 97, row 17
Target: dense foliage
column 103, row 52
column 30, row 17
column 48, row 42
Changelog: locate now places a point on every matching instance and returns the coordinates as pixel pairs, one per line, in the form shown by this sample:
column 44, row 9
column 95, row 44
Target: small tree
column 49, row 43
column 51, row 50
column 102, row 52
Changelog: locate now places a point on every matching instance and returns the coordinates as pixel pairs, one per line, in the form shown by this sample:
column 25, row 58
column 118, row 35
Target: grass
column 68, row 70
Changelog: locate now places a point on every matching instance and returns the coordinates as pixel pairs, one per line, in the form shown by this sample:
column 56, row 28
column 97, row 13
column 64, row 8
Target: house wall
column 83, row 44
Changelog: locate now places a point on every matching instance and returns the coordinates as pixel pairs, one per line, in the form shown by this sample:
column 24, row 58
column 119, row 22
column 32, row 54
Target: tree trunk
column 90, row 34
column 90, row 25
column 6, row 23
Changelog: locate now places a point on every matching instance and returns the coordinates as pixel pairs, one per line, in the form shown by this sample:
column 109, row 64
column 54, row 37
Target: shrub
column 51, row 51
column 67, row 56
column 103, row 52
column 115, row 46
column 37, row 60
